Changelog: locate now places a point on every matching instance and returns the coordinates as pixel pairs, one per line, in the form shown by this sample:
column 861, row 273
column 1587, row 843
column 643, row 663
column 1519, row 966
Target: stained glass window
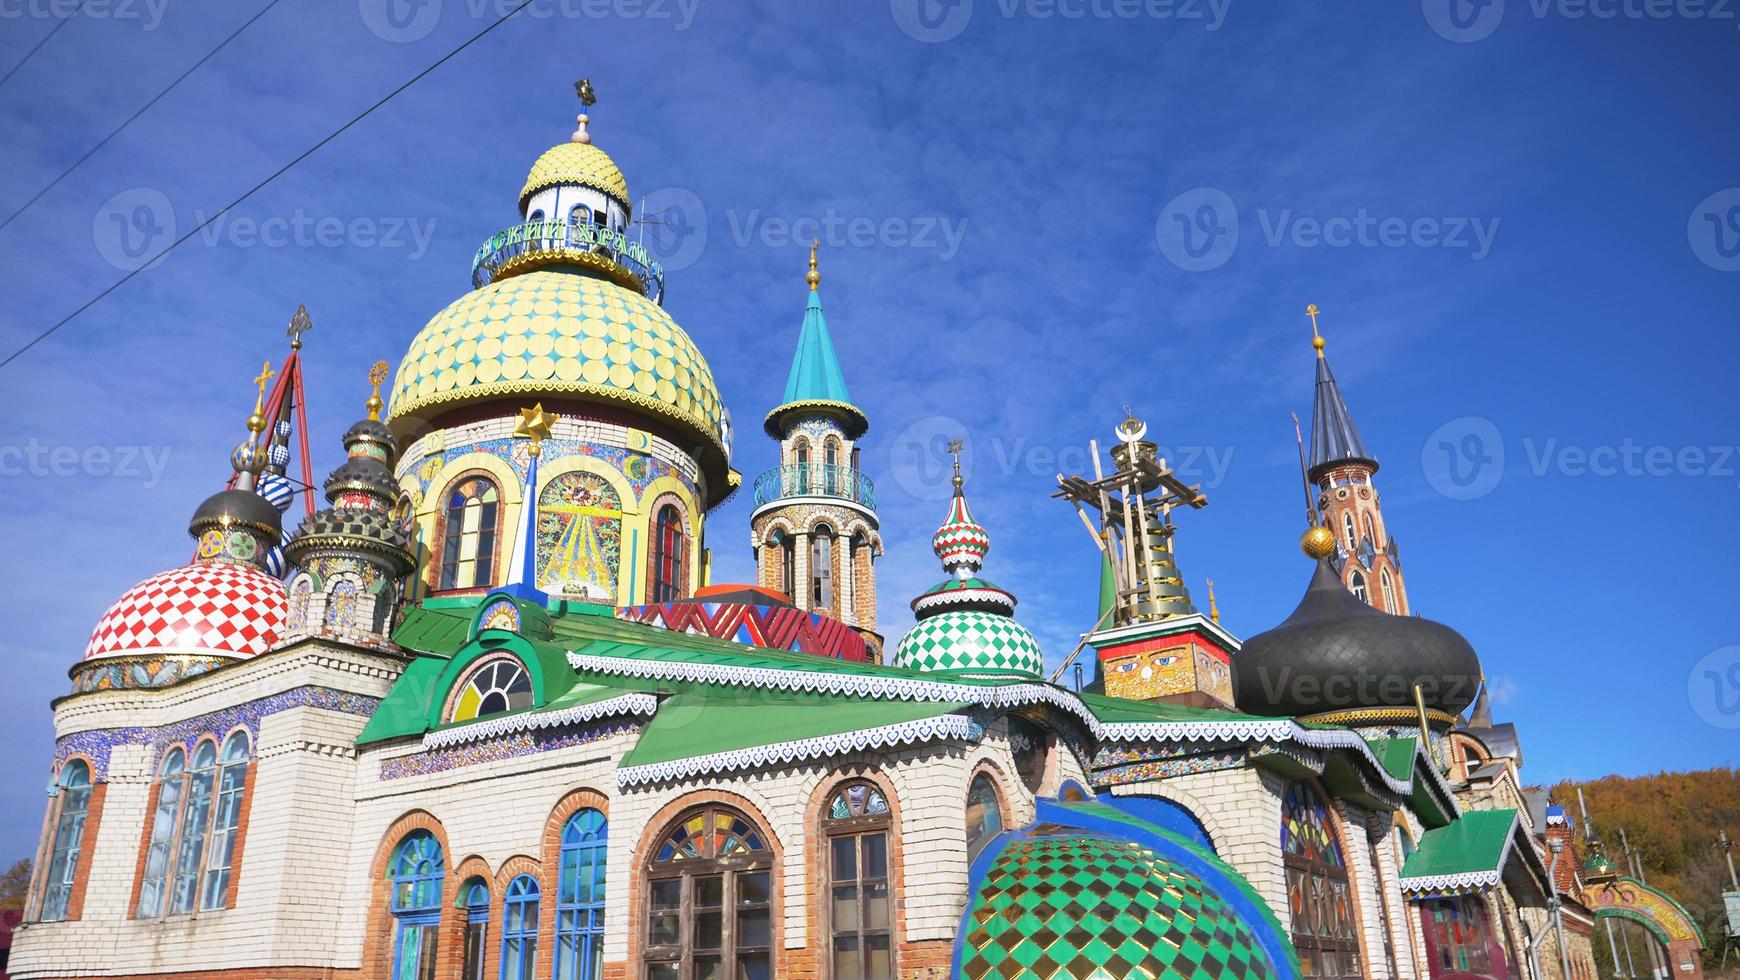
column 710, row 900
column 416, row 870
column 1457, row 935
column 667, row 558
column 860, row 923
column 519, row 929
column 579, row 537
column 580, row 897
column 496, row 686
column 1319, row 895
column 984, row 814
column 72, row 801
column 468, row 540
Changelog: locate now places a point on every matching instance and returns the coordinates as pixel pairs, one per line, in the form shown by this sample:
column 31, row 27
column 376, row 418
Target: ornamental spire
column 588, row 98
column 813, row 277
column 961, row 543
column 535, row 424
column 1334, row 439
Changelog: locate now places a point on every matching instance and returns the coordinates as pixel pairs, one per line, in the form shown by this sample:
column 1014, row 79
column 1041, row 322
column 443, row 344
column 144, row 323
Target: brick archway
column 1664, row 918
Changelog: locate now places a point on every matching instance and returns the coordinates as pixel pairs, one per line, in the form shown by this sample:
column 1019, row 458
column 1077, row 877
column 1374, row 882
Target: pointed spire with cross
column 1316, row 338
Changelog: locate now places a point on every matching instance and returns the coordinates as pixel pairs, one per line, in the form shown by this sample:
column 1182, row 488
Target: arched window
column 1457, row 937
column 831, row 462
column 822, row 568
column 494, row 687
column 195, row 825
column 579, row 214
column 226, row 822
column 300, row 595
column 341, row 603
column 474, row 899
column 519, row 929
column 537, row 215
column 788, row 566
column 803, row 466
column 473, row 519
column 171, row 780
column 580, row 897
column 667, row 557
column 1348, row 531
column 856, row 824
column 1371, row 531
column 1356, row 585
column 710, row 900
column 1318, row 894
column 72, row 800
column 1389, row 591
column 984, row 814
column 417, row 870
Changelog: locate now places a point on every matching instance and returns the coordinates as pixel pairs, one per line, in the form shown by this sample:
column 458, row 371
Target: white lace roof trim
column 627, row 704
column 1006, row 696
column 803, row 749
column 963, row 596
column 1456, row 882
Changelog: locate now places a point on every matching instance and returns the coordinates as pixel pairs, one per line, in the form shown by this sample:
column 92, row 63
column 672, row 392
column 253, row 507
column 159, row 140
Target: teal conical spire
column 816, row 381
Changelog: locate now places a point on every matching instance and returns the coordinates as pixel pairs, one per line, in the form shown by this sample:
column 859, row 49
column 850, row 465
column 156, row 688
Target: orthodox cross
column 298, row 324
column 955, row 446
column 266, row 374
column 1316, row 338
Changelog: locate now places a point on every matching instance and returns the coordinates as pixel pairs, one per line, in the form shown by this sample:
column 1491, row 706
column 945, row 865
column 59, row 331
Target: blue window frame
column 519, row 930
column 73, row 789
column 474, row 899
column 580, row 897
column 417, row 870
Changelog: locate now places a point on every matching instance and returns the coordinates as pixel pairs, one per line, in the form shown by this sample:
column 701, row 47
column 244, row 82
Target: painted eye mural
column 497, row 686
column 1125, row 667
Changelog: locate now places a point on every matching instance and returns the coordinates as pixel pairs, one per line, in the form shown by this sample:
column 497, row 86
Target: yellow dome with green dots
column 576, row 163
column 549, row 333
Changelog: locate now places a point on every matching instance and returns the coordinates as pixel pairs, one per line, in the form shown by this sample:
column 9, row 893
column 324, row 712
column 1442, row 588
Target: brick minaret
column 814, row 529
column 1365, row 554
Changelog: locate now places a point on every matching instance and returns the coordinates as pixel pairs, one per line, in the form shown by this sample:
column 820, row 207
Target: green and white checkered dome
column 971, row 643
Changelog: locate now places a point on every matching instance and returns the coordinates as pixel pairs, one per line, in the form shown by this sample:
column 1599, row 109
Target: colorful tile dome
column 547, row 333
column 222, row 608
column 576, row 163
column 961, row 540
column 1079, row 905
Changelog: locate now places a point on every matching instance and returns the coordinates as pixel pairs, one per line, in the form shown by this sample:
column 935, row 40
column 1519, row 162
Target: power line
column 116, row 131
column 51, row 33
column 305, row 154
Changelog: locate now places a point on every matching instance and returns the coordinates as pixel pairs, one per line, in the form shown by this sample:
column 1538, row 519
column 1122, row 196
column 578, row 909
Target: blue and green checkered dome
column 964, row 623
column 1069, row 903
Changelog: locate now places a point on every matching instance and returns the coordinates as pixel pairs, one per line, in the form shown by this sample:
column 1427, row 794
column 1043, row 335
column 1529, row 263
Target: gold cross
column 1316, row 338
column 266, row 374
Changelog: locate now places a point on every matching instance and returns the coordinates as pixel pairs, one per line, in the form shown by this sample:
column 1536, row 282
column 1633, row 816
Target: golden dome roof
column 549, row 333
column 576, row 163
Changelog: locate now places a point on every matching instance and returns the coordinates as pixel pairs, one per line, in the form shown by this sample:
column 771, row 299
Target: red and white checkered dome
column 217, row 607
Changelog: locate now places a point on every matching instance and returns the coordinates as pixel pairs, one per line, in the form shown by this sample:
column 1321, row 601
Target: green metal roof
column 1465, row 853
column 1124, row 711
column 698, row 724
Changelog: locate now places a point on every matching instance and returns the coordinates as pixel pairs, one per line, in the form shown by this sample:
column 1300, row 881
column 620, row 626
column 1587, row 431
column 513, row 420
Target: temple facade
column 485, row 714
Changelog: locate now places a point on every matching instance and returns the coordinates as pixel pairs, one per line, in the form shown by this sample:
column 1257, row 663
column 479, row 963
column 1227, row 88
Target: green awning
column 700, row 733
column 1465, row 855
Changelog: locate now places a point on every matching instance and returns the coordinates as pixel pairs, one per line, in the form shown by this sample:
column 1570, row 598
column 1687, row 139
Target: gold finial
column 1316, row 338
column 257, row 421
column 377, row 374
column 1317, row 542
column 535, row 424
column 298, row 323
column 588, row 98
column 955, row 447
column 814, row 278
column 1213, row 610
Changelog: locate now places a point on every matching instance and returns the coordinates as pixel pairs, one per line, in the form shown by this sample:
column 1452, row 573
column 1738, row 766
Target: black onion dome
column 371, row 430
column 350, row 529
column 1335, row 653
column 237, row 508
column 362, row 473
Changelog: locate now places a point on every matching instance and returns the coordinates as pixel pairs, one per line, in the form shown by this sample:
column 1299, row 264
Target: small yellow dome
column 545, row 334
column 576, row 163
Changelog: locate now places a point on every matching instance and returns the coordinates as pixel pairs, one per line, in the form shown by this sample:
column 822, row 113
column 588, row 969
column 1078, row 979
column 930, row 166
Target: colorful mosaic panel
column 96, row 745
column 579, row 537
column 969, row 642
column 1141, row 772
column 1088, row 906
column 1306, row 830
column 501, row 748
column 1144, row 674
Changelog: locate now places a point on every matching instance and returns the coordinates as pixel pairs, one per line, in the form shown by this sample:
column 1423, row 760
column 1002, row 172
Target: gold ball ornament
column 1317, row 542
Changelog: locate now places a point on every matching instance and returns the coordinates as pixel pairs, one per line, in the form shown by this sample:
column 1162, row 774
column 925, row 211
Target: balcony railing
column 814, row 480
column 580, row 242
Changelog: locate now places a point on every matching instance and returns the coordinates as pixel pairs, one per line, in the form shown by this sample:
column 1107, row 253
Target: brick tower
column 814, row 528
column 1365, row 556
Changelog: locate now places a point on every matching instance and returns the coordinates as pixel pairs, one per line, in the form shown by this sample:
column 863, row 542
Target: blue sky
column 1516, row 229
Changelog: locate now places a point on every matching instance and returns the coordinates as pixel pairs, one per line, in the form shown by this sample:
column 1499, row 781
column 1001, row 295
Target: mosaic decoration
column 120, row 673
column 970, row 642
column 1630, row 895
column 551, row 333
column 1141, row 772
column 579, row 537
column 341, row 604
column 512, row 746
column 1074, row 905
column 1143, row 674
column 215, row 607
column 502, row 614
column 96, row 745
column 773, row 627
